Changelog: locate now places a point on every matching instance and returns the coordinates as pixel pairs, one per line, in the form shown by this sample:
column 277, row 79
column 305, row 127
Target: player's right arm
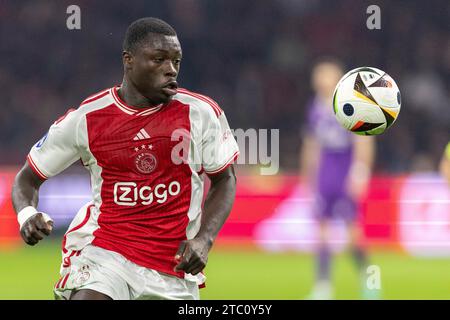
column 309, row 159
column 309, row 153
column 363, row 158
column 56, row 151
column 25, row 193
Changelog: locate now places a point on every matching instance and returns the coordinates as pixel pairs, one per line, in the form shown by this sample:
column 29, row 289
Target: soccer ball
column 366, row 101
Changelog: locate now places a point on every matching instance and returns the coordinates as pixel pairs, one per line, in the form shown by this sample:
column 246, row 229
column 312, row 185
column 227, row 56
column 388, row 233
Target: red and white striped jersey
column 146, row 168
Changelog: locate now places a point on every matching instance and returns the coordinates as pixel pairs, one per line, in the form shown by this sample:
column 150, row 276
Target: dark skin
column 150, row 74
column 25, row 192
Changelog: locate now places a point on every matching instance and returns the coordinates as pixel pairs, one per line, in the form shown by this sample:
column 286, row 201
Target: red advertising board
column 9, row 234
column 410, row 213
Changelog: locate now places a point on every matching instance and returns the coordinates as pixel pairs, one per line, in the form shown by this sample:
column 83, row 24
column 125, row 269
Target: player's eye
column 177, row 61
column 158, row 59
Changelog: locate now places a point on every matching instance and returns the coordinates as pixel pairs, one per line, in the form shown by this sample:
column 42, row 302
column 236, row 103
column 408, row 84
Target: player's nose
column 170, row 70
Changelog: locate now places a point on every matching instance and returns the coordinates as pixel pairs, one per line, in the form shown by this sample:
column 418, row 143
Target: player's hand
column 356, row 188
column 192, row 256
column 35, row 229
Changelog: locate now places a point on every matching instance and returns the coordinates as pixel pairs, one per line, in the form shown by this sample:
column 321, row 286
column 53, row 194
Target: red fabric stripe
column 201, row 171
column 57, row 284
column 65, row 280
column 64, row 115
column 148, row 112
column 226, row 165
column 137, row 111
column 36, row 169
column 66, row 260
column 212, row 103
column 119, row 102
column 95, row 96
column 86, row 218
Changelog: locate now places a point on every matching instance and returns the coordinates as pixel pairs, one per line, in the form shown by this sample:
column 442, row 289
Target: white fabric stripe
column 95, row 96
column 144, row 133
column 205, row 99
column 116, row 96
column 129, row 110
column 91, row 162
column 148, row 112
column 195, row 210
column 120, row 105
column 78, row 239
column 99, row 103
column 140, row 136
column 41, row 174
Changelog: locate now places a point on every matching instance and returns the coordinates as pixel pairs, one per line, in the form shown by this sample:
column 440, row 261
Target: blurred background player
column 444, row 166
column 336, row 166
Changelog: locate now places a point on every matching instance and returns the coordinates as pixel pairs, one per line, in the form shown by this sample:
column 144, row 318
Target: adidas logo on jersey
column 142, row 134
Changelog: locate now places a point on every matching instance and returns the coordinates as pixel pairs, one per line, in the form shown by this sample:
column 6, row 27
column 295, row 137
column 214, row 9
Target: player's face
column 154, row 66
column 325, row 76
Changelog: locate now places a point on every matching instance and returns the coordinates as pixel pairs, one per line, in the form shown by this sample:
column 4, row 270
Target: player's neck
column 132, row 97
column 325, row 99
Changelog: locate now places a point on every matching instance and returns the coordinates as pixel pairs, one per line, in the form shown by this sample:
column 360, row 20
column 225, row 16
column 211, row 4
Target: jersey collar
column 130, row 109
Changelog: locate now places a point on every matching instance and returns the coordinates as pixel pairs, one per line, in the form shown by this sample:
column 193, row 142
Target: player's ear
column 127, row 59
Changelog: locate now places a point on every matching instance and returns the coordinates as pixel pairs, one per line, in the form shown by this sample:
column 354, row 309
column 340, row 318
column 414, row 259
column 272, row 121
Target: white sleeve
column 58, row 149
column 219, row 148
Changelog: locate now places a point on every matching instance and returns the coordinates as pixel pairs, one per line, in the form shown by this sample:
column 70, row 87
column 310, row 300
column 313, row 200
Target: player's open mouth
column 170, row 88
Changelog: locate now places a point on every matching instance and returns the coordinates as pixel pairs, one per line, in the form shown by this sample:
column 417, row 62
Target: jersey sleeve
column 58, row 149
column 219, row 148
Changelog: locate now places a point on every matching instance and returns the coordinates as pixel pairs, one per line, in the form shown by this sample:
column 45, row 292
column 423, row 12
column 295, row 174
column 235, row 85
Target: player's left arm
column 363, row 158
column 219, row 150
column 193, row 254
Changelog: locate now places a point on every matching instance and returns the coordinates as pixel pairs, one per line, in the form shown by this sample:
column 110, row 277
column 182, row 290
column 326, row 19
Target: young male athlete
column 146, row 144
column 337, row 167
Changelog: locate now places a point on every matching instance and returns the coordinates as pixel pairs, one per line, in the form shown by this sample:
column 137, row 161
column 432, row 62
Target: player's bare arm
column 309, row 159
column 361, row 168
column 193, row 254
column 25, row 194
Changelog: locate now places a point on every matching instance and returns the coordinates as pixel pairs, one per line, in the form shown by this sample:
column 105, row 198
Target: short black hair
column 139, row 29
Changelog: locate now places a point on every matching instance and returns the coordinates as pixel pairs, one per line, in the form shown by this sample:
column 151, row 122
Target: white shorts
column 112, row 274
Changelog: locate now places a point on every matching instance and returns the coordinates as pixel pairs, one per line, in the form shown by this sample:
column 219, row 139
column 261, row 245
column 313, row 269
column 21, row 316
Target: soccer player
column 146, row 144
column 444, row 166
column 336, row 165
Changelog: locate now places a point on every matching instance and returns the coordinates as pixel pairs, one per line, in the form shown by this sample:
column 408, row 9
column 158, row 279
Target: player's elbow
column 232, row 176
column 26, row 178
column 225, row 179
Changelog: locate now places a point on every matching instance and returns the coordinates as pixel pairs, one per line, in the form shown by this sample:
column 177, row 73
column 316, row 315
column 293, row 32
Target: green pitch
column 30, row 273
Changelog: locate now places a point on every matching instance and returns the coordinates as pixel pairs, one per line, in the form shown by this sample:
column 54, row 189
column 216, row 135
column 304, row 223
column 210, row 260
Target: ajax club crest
column 145, row 162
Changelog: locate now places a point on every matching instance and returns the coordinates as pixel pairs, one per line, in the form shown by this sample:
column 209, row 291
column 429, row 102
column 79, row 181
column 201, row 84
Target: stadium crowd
column 254, row 57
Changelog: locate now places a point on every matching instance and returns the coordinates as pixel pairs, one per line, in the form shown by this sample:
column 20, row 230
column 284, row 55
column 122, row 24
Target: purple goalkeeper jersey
column 335, row 149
